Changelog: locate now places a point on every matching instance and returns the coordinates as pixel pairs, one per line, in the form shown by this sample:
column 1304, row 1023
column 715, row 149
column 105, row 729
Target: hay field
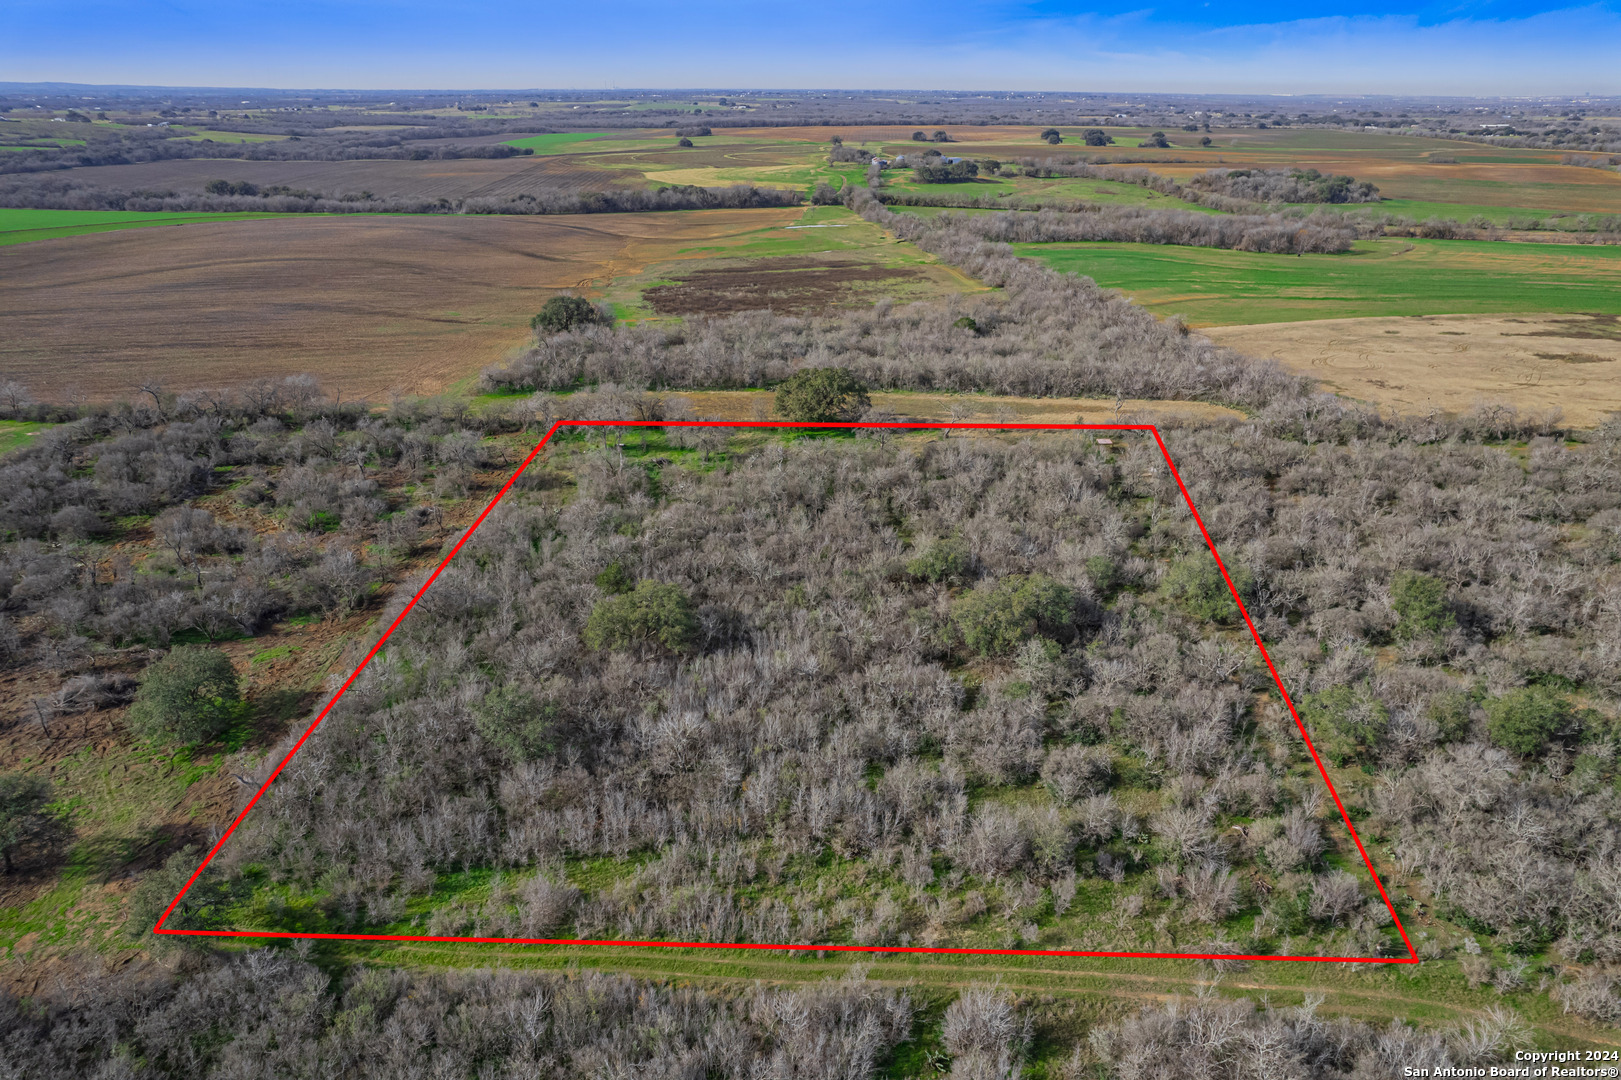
column 371, row 304
column 1453, row 362
column 1213, row 287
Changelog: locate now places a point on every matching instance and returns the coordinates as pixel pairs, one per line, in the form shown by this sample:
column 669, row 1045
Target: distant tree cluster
column 939, row 171
column 849, row 154
column 1285, row 186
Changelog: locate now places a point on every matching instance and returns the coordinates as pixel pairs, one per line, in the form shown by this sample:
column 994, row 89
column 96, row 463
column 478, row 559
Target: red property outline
column 1412, row 955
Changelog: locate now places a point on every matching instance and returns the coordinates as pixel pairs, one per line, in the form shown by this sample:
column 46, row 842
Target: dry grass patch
column 1453, row 362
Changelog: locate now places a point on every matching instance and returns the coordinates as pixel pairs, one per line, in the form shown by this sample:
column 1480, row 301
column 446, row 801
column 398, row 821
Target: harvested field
column 1454, row 362
column 371, row 304
column 461, row 178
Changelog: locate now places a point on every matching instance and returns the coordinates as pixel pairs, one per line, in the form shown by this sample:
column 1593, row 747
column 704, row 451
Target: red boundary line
column 1411, row 958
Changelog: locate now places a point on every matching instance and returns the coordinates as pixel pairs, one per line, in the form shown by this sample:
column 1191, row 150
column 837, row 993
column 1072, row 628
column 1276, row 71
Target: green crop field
column 22, row 226
column 571, row 142
column 1214, row 287
column 557, row 142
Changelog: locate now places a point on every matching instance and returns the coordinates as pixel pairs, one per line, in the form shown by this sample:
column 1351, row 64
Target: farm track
column 1345, row 992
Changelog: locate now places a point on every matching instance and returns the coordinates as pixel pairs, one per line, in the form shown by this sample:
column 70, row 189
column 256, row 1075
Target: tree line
column 56, row 192
column 1273, row 233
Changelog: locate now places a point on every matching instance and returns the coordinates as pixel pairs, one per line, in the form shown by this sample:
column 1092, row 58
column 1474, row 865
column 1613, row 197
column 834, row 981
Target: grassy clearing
column 15, row 433
column 1214, row 287
column 23, row 226
column 123, row 803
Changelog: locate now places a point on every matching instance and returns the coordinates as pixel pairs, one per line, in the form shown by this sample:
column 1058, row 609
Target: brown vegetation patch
column 1598, row 327
column 1452, row 362
column 1577, row 357
column 792, row 286
column 373, row 305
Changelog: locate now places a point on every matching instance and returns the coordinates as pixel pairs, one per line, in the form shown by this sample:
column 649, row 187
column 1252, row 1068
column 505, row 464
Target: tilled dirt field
column 372, row 305
column 1453, row 362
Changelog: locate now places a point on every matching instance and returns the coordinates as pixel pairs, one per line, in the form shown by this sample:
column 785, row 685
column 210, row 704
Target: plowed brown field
column 372, row 305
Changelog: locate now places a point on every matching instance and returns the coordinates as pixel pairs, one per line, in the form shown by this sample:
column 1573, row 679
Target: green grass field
column 573, row 142
column 23, row 226
column 1214, row 287
column 15, row 433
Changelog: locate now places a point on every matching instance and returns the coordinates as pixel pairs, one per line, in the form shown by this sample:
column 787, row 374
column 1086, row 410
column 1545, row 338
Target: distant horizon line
column 58, row 86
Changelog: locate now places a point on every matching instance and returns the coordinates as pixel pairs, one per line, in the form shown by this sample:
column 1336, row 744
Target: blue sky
column 1470, row 47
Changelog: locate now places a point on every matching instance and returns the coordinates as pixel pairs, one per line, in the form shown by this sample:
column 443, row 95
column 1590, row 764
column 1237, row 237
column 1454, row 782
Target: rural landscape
column 808, row 584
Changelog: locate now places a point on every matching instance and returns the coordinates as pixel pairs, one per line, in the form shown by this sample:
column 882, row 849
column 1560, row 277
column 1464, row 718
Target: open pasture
column 1215, row 287
column 374, row 304
column 1453, row 362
